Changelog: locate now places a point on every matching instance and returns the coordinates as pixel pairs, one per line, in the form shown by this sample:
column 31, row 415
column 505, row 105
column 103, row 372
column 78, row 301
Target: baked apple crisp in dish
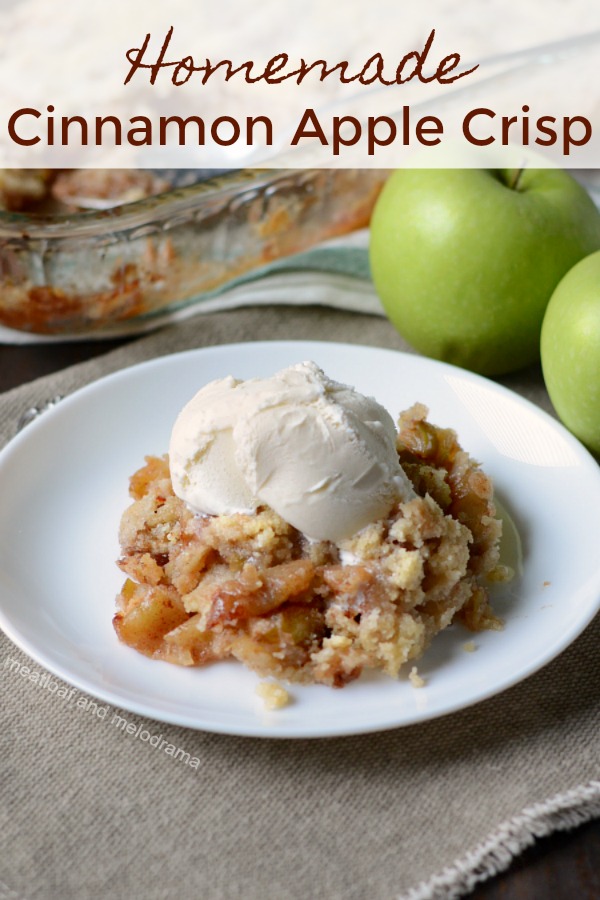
column 295, row 528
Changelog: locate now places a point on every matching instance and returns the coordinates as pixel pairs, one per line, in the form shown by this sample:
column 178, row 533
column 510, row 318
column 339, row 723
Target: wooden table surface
column 565, row 866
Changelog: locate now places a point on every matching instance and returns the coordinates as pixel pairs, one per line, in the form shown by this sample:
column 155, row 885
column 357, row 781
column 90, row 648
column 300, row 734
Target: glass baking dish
column 80, row 273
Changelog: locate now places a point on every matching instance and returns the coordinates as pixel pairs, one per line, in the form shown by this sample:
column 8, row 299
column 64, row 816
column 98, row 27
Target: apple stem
column 514, row 184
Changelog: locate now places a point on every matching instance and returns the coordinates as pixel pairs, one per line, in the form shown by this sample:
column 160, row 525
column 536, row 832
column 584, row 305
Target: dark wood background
column 565, row 866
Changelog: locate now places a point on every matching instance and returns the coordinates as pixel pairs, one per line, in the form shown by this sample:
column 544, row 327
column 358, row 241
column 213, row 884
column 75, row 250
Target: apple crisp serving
column 251, row 587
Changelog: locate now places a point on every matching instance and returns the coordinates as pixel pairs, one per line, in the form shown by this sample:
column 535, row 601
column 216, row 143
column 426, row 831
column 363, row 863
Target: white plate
column 63, row 483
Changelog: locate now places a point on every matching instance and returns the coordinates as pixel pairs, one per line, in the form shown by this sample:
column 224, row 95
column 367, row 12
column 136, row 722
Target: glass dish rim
column 28, row 228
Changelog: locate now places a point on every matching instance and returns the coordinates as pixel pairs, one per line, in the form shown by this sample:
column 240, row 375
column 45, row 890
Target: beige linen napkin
column 91, row 811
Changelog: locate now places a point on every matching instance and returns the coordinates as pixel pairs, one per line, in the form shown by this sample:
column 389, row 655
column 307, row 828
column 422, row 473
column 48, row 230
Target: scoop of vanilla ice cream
column 317, row 452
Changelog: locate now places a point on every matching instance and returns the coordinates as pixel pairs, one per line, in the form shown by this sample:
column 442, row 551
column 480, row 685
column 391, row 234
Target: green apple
column 465, row 260
column 571, row 350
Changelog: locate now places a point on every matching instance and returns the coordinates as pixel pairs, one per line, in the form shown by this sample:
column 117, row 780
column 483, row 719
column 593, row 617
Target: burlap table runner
column 90, row 811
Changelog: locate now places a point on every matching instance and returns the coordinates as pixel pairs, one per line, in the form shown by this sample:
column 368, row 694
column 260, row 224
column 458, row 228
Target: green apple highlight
column 466, row 260
column 571, row 350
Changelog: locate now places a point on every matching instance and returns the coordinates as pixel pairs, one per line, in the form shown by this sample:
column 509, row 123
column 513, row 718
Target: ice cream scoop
column 317, row 452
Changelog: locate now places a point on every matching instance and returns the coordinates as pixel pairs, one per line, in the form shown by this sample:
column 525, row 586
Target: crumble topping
column 252, row 587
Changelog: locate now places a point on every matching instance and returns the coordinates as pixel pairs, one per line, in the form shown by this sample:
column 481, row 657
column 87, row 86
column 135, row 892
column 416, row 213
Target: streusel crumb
column 272, row 695
column 415, row 679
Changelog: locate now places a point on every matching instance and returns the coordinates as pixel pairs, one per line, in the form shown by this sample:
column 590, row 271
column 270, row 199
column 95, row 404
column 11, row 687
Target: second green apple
column 466, row 260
